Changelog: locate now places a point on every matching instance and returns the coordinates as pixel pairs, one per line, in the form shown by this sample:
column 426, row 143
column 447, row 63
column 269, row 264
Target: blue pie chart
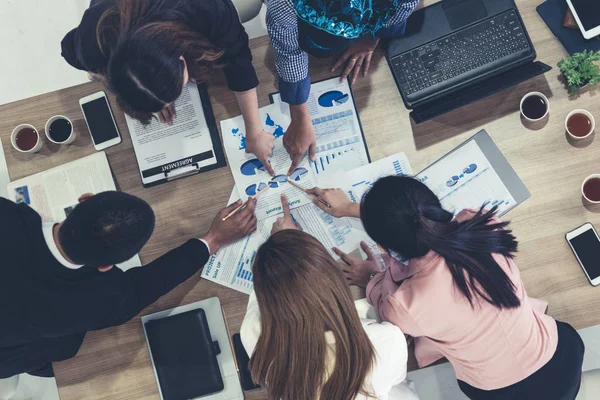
column 298, row 174
column 332, row 98
column 251, row 167
column 470, row 169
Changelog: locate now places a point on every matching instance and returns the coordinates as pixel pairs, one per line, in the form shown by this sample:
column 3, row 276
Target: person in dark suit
column 58, row 281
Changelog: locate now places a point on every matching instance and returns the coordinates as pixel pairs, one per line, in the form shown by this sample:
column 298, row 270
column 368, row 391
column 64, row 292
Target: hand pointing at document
column 286, row 221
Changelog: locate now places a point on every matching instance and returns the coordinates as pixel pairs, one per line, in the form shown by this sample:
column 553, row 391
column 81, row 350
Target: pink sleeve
column 375, row 289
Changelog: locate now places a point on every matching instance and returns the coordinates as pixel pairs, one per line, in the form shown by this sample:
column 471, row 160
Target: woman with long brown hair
column 306, row 337
column 147, row 50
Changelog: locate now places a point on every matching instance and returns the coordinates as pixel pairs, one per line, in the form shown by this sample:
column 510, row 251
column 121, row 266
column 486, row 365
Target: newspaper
column 54, row 193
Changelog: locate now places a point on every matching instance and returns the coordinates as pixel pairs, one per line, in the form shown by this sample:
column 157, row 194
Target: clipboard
column 171, row 169
column 508, row 176
column 362, row 132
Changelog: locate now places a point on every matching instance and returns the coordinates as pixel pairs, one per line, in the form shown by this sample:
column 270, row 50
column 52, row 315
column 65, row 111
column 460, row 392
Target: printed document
column 340, row 142
column 466, row 179
column 164, row 151
column 250, row 175
column 54, row 193
column 232, row 265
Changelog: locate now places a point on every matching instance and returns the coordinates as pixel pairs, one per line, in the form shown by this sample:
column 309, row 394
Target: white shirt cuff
column 206, row 243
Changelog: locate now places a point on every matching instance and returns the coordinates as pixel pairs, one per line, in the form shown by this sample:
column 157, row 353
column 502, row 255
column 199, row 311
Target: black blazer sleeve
column 80, row 47
column 219, row 21
column 139, row 287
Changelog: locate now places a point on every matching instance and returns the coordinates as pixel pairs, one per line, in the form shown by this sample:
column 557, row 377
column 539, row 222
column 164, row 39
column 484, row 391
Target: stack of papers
column 340, row 148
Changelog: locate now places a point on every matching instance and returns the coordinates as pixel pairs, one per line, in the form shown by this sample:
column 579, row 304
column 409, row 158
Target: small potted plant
column 580, row 70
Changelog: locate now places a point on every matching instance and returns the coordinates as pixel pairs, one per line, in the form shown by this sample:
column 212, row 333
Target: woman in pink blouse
column 452, row 284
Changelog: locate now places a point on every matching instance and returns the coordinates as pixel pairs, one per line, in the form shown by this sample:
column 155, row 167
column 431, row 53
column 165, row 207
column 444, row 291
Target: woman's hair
column 143, row 41
column 405, row 216
column 302, row 294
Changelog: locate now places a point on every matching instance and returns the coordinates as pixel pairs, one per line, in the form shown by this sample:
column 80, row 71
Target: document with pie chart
column 340, row 141
column 249, row 173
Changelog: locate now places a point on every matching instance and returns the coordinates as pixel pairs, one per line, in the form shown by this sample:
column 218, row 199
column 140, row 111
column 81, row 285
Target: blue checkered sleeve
column 291, row 62
column 405, row 8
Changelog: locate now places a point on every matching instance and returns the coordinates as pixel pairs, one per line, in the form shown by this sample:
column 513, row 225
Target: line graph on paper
column 335, row 126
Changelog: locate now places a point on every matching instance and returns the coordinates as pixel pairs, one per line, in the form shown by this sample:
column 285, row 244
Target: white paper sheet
column 4, row 177
column 361, row 179
column 466, row 179
column 55, row 192
column 340, row 144
column 232, row 265
column 249, row 173
column 173, row 149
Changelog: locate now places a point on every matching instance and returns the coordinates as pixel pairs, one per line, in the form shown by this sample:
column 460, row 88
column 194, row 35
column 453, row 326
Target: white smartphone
column 585, row 243
column 100, row 120
column 587, row 15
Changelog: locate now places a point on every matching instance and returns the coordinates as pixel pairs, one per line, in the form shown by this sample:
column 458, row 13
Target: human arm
column 404, row 9
column 300, row 136
column 135, row 289
column 258, row 142
column 220, row 23
column 79, row 47
column 291, row 63
column 250, row 330
column 341, row 205
column 286, row 221
column 357, row 57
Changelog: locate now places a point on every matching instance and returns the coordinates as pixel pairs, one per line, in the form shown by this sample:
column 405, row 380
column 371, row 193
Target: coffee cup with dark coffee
column 534, row 106
column 26, row 139
column 590, row 189
column 59, row 130
column 580, row 124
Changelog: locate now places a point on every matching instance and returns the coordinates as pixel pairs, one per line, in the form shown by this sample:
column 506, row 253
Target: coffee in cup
column 26, row 139
column 590, row 189
column 580, row 124
column 534, row 106
column 59, row 130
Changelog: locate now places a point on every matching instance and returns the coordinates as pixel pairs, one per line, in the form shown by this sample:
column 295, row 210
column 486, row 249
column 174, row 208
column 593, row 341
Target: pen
column 231, row 214
column 294, row 184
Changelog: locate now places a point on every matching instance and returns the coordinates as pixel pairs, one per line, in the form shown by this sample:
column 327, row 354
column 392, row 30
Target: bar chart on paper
column 243, row 278
column 340, row 156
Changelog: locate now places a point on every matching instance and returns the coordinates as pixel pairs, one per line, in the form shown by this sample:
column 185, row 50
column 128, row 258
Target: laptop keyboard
column 479, row 45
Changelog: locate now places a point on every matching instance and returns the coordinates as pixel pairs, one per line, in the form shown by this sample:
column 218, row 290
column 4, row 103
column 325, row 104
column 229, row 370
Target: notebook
column 184, row 355
column 553, row 13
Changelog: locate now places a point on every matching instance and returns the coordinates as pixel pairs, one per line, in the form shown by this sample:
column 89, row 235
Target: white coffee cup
column 543, row 96
column 583, row 186
column 586, row 113
column 17, row 130
column 69, row 139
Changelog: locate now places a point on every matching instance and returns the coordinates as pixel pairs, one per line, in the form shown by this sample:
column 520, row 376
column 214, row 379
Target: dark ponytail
column 404, row 215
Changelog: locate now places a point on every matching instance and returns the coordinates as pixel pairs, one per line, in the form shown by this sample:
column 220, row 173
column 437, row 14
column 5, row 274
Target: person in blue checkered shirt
column 347, row 30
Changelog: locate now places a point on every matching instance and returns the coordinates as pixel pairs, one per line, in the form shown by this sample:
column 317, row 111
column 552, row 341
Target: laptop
column 458, row 51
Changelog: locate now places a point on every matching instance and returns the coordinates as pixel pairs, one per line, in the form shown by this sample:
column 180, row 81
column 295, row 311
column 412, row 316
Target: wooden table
column 114, row 363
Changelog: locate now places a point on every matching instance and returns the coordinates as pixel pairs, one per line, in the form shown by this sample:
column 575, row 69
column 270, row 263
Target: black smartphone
column 243, row 360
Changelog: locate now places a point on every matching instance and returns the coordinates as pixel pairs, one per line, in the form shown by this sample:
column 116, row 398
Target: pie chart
column 251, row 167
column 298, row 174
column 333, row 98
column 254, row 188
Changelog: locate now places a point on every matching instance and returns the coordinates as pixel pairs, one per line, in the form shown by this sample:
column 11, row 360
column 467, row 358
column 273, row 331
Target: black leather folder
column 184, row 356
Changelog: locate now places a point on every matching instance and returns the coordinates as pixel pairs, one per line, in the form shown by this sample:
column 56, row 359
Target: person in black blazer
column 58, row 281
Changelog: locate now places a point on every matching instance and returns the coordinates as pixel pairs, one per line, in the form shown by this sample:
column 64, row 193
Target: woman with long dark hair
column 452, row 283
column 147, row 50
column 307, row 338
